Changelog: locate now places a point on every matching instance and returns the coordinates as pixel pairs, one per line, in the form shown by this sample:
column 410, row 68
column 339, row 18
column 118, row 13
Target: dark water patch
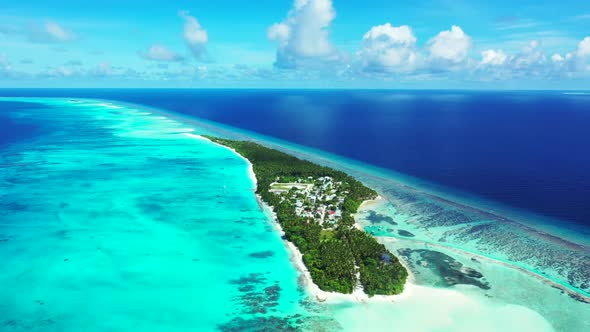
column 258, row 298
column 472, row 273
column 578, row 298
column 15, row 180
column 252, row 278
column 377, row 218
column 262, row 254
column 290, row 323
column 12, row 207
column 402, row 232
column 256, row 294
column 14, row 129
column 255, row 324
column 448, row 271
column 63, row 234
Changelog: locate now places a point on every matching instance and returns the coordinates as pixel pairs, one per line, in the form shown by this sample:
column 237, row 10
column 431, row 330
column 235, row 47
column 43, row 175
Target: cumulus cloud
column 493, row 57
column 531, row 62
column 387, row 48
column 450, row 46
column 50, row 32
column 303, row 38
column 195, row 35
column 530, row 56
column 61, row 71
column 557, row 58
column 102, row 69
column 159, row 52
column 578, row 60
column 72, row 72
column 584, row 47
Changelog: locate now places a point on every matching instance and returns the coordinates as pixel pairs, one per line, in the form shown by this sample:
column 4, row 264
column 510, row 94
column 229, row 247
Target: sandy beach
column 332, row 297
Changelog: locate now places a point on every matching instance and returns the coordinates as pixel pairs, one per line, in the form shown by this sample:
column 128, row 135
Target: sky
column 431, row 44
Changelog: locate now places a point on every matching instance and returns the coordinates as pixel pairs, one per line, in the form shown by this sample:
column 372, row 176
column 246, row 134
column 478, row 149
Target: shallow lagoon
column 116, row 211
column 114, row 220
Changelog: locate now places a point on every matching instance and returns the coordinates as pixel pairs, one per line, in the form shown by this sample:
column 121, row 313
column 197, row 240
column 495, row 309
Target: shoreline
column 296, row 257
column 358, row 295
column 250, row 166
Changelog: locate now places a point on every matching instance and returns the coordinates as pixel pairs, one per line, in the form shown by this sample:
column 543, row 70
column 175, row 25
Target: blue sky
column 296, row 43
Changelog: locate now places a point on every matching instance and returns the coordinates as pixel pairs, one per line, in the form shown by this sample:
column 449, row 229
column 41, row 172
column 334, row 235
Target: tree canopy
column 333, row 258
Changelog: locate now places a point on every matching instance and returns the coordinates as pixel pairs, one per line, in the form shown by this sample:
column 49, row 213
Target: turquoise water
column 476, row 275
column 113, row 220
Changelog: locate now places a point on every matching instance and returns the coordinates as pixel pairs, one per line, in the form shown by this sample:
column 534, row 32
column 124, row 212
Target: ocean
column 112, row 219
column 109, row 209
column 526, row 150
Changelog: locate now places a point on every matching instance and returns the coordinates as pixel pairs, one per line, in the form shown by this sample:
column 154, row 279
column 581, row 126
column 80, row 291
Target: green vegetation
column 332, row 253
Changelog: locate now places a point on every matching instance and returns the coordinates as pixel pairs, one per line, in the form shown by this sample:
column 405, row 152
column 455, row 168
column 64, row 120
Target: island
column 315, row 207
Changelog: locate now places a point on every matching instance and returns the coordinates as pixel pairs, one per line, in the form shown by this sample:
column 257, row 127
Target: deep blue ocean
column 528, row 150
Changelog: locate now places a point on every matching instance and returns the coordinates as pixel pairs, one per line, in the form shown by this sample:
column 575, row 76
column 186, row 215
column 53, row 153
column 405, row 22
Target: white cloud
column 584, row 47
column 5, row 66
column 450, row 46
column 530, row 60
column 61, row 71
column 159, row 52
column 102, row 70
column 8, row 72
column 279, row 32
column 493, row 57
column 195, row 35
column 557, row 58
column 387, row 48
column 532, row 63
column 303, row 37
column 50, row 32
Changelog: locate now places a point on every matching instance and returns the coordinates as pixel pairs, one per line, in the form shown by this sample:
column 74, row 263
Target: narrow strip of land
column 315, row 205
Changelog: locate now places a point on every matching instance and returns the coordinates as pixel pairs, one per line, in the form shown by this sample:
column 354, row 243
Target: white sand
column 434, row 309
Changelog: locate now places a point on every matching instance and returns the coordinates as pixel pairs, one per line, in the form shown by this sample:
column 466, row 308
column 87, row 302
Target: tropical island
column 315, row 205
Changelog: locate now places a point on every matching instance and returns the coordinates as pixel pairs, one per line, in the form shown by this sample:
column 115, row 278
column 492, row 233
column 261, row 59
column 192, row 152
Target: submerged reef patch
column 262, row 254
column 447, row 270
column 402, row 232
column 377, row 218
column 258, row 299
column 256, row 294
column 495, row 235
